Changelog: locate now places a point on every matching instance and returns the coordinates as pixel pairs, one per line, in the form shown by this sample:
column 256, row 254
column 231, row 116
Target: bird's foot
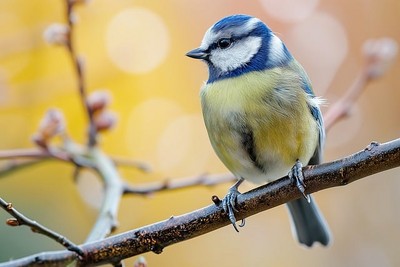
column 229, row 203
column 296, row 175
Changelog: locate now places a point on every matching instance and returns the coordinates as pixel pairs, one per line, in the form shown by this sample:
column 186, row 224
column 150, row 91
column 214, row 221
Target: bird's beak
column 197, row 53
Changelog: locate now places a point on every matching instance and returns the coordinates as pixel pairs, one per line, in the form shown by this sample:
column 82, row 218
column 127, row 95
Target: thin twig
column 378, row 55
column 70, row 152
column 35, row 153
column 205, row 180
column 17, row 164
column 78, row 66
column 375, row 158
column 20, row 219
column 17, row 159
column 24, row 153
column 342, row 107
column 140, row 165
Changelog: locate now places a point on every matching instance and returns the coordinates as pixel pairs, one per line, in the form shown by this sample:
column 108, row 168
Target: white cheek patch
column 236, row 56
column 276, row 51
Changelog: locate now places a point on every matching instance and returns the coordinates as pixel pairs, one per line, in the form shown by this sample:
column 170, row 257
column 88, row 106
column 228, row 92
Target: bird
column 262, row 116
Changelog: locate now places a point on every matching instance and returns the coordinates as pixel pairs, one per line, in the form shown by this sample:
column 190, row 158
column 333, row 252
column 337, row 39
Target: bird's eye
column 224, row 43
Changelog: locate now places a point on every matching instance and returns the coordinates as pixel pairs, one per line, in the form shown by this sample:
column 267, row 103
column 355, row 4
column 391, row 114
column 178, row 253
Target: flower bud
column 104, row 120
column 99, row 100
column 379, row 54
column 57, row 34
column 51, row 125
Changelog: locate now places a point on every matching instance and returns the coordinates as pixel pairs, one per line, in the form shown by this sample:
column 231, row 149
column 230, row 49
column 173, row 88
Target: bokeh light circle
column 320, row 44
column 137, row 40
column 183, row 146
column 146, row 122
column 288, row 10
column 90, row 188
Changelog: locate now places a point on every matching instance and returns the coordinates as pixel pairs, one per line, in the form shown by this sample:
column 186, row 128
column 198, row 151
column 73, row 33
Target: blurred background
column 135, row 49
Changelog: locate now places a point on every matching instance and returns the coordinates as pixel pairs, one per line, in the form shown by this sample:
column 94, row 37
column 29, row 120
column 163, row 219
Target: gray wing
column 308, row 222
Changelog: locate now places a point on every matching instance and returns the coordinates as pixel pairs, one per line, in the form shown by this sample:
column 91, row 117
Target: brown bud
column 12, row 222
column 216, row 200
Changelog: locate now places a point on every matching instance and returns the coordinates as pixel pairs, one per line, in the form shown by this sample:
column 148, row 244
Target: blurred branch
column 23, row 153
column 155, row 237
column 113, row 190
column 17, row 159
column 91, row 158
column 69, row 152
column 19, row 219
column 205, row 180
column 127, row 162
column 17, row 164
column 99, row 119
column 78, row 66
column 341, row 108
column 378, row 55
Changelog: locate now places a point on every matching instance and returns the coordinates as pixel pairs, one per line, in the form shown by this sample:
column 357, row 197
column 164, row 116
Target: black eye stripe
column 233, row 39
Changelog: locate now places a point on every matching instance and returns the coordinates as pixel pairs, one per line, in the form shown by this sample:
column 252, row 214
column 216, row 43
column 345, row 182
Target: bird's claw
column 229, row 203
column 296, row 175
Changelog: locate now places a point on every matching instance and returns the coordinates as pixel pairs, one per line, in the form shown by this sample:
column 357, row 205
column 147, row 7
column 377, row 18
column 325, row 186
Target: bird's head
column 239, row 44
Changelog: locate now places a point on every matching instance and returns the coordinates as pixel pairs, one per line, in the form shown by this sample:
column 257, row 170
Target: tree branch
column 113, row 190
column 20, row 219
column 373, row 159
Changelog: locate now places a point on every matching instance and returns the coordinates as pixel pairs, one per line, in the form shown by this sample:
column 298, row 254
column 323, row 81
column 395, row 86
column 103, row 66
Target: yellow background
column 135, row 49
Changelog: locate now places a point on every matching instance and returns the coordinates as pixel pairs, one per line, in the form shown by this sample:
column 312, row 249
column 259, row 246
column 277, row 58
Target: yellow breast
column 259, row 123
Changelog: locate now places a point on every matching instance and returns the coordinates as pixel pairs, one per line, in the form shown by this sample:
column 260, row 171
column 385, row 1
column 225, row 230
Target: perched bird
column 262, row 117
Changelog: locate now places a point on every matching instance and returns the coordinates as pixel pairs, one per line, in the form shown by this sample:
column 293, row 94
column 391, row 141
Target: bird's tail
column 308, row 223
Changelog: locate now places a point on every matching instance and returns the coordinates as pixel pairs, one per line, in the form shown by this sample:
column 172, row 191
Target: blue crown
column 236, row 25
column 230, row 22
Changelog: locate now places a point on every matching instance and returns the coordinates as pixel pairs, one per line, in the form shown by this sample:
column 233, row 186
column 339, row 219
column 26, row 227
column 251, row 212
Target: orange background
column 135, row 49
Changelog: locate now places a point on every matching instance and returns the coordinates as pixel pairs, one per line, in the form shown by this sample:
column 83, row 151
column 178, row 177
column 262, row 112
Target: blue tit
column 262, row 117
